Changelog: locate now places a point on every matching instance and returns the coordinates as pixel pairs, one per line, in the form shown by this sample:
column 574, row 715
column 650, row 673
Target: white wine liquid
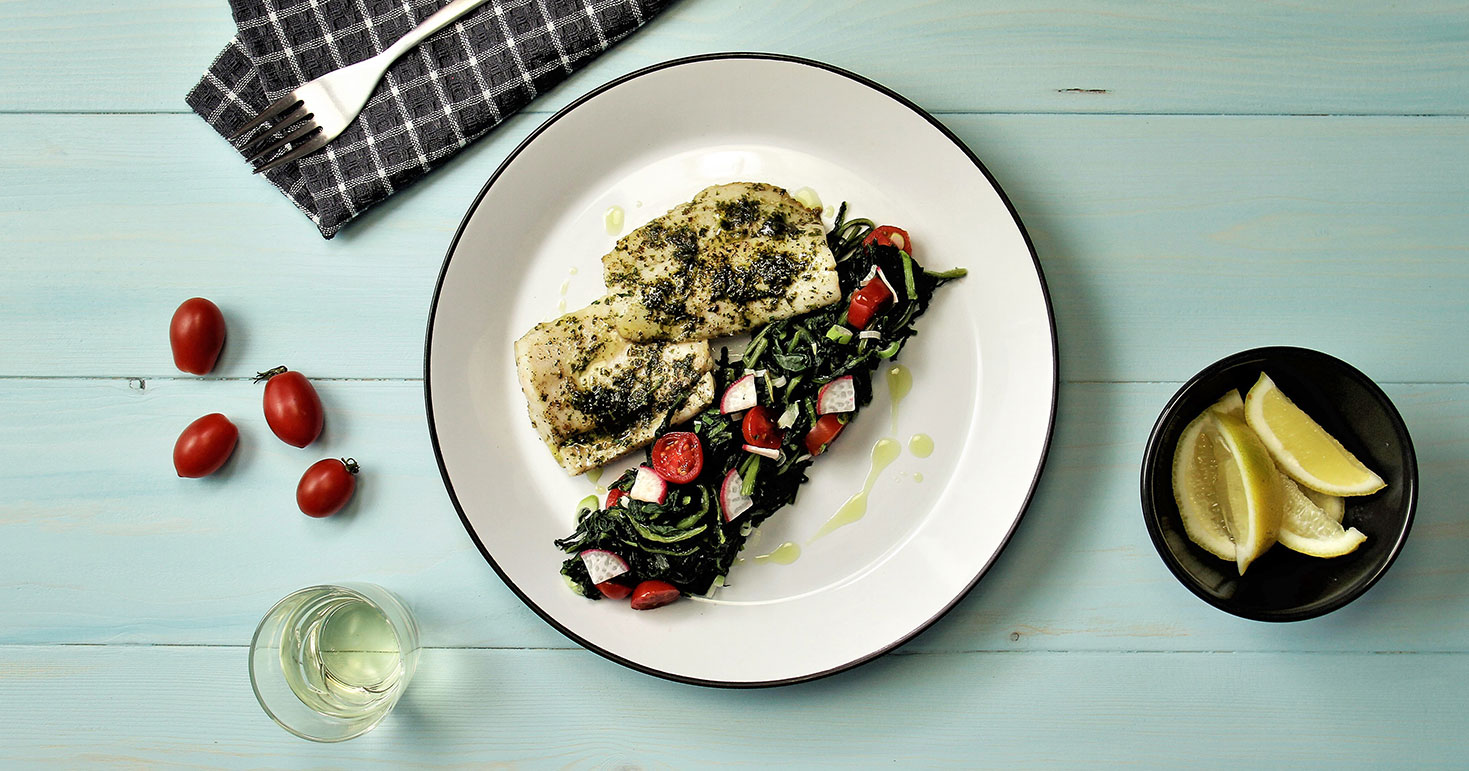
column 341, row 657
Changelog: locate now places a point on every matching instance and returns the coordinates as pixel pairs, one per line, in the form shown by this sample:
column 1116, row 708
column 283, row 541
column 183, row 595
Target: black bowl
column 1282, row 585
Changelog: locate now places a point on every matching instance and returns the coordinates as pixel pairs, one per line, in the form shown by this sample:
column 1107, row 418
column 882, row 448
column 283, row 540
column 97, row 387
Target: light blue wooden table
column 1198, row 179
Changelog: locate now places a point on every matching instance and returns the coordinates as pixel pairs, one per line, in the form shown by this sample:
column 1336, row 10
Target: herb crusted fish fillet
column 594, row 395
column 734, row 258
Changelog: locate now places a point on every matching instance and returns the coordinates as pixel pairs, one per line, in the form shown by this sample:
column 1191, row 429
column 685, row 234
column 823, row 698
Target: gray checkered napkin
column 441, row 96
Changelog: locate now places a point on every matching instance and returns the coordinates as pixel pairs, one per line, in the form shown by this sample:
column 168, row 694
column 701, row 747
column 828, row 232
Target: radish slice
column 772, row 453
column 603, row 565
column 731, row 500
column 648, row 486
column 739, row 396
column 837, row 396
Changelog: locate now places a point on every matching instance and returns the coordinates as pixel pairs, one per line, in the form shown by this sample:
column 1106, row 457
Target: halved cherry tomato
column 678, row 457
column 760, row 429
column 196, row 335
column 867, row 301
column 613, row 496
column 653, row 594
column 204, row 446
column 826, row 429
column 292, row 408
column 326, row 487
column 613, row 590
column 887, row 235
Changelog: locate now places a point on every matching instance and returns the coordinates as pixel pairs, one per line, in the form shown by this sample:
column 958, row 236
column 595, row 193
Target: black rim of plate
column 429, row 340
column 1150, row 471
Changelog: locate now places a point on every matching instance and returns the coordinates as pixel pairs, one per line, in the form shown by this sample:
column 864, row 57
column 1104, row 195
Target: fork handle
column 435, row 22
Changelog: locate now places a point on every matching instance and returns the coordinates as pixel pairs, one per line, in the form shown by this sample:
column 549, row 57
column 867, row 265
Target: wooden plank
column 1168, row 242
column 1318, row 57
column 569, row 709
column 103, row 544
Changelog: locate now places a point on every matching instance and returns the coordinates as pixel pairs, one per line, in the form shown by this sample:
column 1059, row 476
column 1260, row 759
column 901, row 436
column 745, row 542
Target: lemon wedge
column 1308, row 529
column 1225, row 485
column 1253, row 500
column 1230, row 404
column 1196, row 487
column 1302, row 448
column 1334, row 506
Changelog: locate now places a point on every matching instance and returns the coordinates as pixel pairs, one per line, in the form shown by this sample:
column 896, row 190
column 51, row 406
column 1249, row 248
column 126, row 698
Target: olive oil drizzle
column 784, row 554
column 900, row 382
column 883, row 453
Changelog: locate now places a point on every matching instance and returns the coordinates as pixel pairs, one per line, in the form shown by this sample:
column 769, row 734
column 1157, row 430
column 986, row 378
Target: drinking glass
column 329, row 662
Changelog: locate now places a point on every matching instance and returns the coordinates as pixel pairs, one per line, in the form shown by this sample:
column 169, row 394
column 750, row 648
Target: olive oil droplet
column 595, row 474
column 918, row 476
column 613, row 220
column 921, row 445
column 900, row 382
column 883, row 453
column 784, row 554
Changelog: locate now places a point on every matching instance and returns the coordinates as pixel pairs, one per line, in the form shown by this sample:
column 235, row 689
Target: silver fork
column 319, row 111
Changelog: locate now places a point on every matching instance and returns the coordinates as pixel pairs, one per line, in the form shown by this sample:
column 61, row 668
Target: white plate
column 984, row 363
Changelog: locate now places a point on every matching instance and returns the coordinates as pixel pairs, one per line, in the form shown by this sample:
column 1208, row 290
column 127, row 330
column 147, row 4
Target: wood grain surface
column 1197, row 179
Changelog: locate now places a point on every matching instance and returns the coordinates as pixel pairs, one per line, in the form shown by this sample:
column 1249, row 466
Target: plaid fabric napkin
column 439, row 97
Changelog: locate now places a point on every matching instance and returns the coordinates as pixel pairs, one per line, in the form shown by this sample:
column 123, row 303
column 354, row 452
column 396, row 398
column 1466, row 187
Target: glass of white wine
column 329, row 662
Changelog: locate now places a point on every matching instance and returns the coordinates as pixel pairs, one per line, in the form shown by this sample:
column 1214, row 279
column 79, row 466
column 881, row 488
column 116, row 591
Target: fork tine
column 271, row 110
column 252, row 146
column 264, row 155
column 310, row 146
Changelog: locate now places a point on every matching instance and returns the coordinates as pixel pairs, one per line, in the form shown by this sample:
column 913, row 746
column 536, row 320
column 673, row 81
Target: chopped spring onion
column 839, row 333
column 747, row 484
column 788, row 418
column 890, row 351
column 870, row 334
column 764, row 452
column 876, row 272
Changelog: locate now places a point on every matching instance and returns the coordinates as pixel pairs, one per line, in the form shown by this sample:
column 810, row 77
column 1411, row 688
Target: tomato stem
column 352, row 467
column 268, row 374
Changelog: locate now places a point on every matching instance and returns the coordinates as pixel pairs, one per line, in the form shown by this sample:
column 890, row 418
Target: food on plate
column 327, row 486
column 292, row 407
column 653, row 594
column 735, row 257
column 204, row 446
column 196, row 335
column 678, row 457
column 782, row 401
column 1240, row 489
column 594, row 396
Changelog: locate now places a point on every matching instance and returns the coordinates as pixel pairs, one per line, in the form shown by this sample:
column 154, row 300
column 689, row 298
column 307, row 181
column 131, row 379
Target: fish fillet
column 734, row 258
column 594, row 396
